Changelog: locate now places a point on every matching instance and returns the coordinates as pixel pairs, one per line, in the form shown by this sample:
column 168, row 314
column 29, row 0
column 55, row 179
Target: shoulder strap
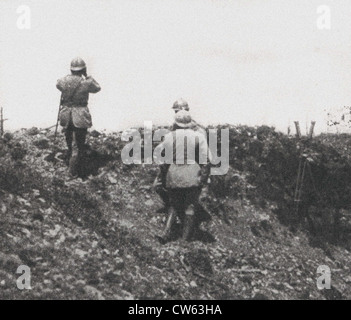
column 76, row 88
column 68, row 98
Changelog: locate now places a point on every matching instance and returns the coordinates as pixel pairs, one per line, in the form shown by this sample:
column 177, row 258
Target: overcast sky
column 244, row 61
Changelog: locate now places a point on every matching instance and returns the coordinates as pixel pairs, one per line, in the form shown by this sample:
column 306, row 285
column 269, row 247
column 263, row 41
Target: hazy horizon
column 248, row 62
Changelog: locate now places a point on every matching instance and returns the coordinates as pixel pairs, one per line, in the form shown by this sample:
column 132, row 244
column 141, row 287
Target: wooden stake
column 2, row 123
column 301, row 170
column 298, row 131
column 310, row 135
column 2, row 120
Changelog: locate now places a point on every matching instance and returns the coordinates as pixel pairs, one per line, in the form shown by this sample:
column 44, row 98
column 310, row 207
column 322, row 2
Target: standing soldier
column 184, row 181
column 74, row 115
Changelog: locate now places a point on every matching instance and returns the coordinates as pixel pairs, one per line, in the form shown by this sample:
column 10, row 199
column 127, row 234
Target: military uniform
column 75, row 94
column 194, row 126
column 184, row 182
column 74, row 115
column 160, row 188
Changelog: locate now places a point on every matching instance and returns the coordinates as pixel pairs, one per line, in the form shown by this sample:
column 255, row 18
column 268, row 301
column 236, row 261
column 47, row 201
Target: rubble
column 94, row 237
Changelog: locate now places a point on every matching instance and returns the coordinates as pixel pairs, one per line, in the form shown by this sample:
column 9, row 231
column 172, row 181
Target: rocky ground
column 94, row 238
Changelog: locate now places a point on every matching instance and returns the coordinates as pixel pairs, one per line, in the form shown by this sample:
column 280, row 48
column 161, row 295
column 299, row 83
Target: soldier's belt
column 75, row 105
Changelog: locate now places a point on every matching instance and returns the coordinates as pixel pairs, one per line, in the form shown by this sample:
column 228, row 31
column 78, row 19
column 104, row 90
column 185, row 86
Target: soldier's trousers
column 184, row 200
column 201, row 214
column 80, row 135
column 163, row 193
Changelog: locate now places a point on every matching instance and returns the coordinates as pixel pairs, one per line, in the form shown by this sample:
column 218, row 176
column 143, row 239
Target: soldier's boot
column 196, row 226
column 162, row 192
column 201, row 215
column 77, row 162
column 189, row 223
column 167, row 233
column 68, row 155
column 73, row 165
column 69, row 141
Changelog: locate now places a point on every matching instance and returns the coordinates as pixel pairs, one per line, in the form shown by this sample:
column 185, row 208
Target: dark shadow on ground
column 90, row 164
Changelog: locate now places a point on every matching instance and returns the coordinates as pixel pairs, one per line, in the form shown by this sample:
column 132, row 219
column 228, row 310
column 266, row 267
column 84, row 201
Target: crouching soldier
column 74, row 115
column 160, row 181
column 185, row 177
column 181, row 104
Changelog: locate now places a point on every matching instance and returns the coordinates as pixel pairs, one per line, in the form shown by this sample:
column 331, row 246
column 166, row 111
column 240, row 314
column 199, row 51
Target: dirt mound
column 93, row 238
column 264, row 166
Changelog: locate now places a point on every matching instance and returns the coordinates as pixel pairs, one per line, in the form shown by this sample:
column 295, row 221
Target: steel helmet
column 78, row 64
column 183, row 119
column 180, row 104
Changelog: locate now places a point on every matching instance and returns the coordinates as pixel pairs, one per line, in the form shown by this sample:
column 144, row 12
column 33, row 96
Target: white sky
column 244, row 61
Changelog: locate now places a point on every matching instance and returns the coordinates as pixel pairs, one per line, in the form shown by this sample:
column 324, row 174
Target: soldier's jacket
column 194, row 126
column 189, row 174
column 75, row 95
column 164, row 168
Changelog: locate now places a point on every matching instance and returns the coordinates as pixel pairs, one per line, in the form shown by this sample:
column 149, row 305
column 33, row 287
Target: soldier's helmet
column 183, row 119
column 180, row 104
column 78, row 64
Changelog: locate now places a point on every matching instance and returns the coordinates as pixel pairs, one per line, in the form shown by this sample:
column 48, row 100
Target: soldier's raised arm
column 94, row 87
column 59, row 84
